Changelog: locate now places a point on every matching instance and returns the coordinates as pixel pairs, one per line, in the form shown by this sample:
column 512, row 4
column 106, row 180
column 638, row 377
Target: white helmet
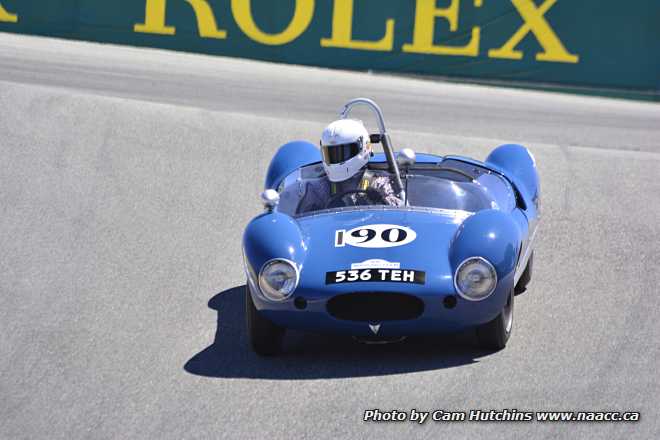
column 346, row 147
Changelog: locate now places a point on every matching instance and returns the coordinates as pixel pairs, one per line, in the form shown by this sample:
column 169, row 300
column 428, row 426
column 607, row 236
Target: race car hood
column 404, row 238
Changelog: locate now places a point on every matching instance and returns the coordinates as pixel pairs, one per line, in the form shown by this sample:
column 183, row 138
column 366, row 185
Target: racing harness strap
column 365, row 182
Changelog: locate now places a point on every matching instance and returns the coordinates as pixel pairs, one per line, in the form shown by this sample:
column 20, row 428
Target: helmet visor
column 333, row 154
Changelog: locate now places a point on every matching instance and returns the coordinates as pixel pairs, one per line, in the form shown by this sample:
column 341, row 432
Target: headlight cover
column 278, row 279
column 475, row 279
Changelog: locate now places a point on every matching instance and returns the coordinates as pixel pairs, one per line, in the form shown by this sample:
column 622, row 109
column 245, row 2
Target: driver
column 346, row 148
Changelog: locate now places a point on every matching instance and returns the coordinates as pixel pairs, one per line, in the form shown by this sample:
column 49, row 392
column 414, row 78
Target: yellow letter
column 553, row 49
column 342, row 31
column 154, row 19
column 302, row 17
column 425, row 16
column 206, row 20
column 6, row 16
column 154, row 22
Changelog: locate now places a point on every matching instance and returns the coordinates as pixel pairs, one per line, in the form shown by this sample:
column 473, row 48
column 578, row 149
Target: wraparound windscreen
column 593, row 43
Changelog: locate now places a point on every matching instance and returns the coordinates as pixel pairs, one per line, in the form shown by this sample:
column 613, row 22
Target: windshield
column 442, row 193
column 307, row 190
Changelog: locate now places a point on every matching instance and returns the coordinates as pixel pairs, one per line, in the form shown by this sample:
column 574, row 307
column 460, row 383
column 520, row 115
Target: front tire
column 495, row 334
column 265, row 337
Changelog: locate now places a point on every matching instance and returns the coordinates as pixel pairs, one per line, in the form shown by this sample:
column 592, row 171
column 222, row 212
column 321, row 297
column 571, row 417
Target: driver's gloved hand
column 375, row 196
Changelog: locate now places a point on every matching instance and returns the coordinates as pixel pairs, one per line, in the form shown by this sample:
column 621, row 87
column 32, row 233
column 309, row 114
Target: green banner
column 592, row 43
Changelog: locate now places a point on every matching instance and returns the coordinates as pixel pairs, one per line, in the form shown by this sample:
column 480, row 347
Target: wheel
column 526, row 276
column 494, row 335
column 265, row 337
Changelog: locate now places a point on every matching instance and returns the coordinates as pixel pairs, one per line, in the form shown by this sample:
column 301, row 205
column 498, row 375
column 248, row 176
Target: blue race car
column 452, row 257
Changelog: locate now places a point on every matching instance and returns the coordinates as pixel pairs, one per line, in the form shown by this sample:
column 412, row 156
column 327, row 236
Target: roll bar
column 384, row 137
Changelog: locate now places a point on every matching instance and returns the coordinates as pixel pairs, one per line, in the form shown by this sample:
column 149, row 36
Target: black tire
column 495, row 334
column 526, row 276
column 265, row 337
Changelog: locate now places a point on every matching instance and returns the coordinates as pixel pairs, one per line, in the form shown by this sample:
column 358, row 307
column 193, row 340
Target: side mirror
column 270, row 199
column 406, row 158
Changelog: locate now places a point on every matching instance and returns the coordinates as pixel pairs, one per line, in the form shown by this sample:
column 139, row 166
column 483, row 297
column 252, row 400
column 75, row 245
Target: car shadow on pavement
column 312, row 356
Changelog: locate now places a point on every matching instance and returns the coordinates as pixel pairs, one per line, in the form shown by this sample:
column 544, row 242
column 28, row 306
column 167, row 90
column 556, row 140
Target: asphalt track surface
column 127, row 177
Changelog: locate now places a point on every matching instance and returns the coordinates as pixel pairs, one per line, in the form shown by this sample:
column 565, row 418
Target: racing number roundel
column 375, row 236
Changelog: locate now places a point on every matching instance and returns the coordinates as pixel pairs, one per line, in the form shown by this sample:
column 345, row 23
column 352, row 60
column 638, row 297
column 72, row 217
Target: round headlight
column 278, row 279
column 475, row 279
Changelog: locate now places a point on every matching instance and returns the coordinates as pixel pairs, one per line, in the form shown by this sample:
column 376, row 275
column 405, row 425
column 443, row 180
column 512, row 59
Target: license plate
column 409, row 276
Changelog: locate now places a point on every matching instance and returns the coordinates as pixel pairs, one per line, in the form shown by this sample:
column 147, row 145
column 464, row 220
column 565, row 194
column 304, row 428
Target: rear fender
column 289, row 158
column 519, row 166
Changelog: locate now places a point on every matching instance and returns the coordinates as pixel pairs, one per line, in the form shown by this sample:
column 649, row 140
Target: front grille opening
column 375, row 307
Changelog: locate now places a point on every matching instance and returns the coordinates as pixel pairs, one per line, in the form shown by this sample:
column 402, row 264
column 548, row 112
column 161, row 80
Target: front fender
column 272, row 235
column 491, row 234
